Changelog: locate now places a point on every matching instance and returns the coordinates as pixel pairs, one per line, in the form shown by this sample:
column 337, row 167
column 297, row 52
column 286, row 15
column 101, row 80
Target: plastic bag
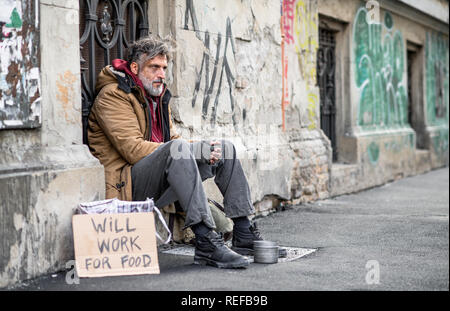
column 116, row 206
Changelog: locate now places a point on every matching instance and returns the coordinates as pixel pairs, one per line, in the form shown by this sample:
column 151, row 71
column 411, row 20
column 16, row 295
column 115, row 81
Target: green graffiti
column 15, row 20
column 379, row 71
column 388, row 21
column 374, row 153
column 396, row 147
column 399, row 145
column 437, row 92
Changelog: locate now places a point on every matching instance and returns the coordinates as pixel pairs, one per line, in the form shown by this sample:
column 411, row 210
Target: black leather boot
column 242, row 242
column 210, row 249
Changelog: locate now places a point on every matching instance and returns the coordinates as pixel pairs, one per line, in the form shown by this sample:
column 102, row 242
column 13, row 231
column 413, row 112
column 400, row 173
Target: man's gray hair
column 147, row 48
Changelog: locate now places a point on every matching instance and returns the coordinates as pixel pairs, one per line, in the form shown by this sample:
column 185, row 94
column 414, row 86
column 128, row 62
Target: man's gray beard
column 148, row 86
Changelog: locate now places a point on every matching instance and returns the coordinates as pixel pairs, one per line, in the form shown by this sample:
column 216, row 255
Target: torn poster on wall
column 20, row 86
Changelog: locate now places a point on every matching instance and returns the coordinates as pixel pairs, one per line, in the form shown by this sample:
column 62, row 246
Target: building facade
column 320, row 97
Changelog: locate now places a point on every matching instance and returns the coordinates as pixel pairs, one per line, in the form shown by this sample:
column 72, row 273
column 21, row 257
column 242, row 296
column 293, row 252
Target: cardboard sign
column 115, row 244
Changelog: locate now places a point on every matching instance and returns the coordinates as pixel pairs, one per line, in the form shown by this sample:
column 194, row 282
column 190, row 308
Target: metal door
column 107, row 28
column 326, row 64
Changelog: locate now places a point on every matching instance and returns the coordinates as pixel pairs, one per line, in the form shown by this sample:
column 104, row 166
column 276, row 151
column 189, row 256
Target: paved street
column 403, row 226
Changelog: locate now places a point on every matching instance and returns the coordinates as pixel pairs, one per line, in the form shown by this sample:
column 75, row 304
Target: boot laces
column 254, row 229
column 217, row 239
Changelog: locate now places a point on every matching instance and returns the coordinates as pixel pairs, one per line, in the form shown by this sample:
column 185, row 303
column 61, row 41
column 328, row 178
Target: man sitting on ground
column 130, row 131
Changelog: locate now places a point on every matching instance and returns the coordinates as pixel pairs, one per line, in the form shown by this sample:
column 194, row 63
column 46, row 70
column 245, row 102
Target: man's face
column 153, row 74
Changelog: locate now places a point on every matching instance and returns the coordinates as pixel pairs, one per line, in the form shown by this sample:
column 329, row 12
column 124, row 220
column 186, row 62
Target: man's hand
column 216, row 152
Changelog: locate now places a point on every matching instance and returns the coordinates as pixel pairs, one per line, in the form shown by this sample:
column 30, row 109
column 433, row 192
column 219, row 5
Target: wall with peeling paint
column 229, row 57
column 227, row 83
column 45, row 171
column 380, row 95
column 381, row 123
column 20, row 84
column 231, row 73
column 437, row 94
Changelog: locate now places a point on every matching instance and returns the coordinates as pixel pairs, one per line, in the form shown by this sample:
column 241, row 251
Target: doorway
column 326, row 70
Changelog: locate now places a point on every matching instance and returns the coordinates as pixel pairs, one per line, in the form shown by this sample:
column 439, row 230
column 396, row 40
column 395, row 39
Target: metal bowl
column 265, row 252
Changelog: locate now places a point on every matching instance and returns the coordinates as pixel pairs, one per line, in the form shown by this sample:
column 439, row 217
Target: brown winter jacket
column 118, row 129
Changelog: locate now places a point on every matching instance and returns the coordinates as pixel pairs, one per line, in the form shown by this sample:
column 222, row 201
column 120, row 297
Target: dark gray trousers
column 177, row 164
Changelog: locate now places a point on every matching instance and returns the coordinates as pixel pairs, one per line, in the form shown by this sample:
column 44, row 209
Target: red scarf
column 156, row 130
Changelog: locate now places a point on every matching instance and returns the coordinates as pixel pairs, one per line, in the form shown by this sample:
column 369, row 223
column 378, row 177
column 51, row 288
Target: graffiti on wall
column 440, row 141
column 307, row 42
column 287, row 30
column 19, row 65
column 373, row 151
column 300, row 28
column 393, row 146
column 437, row 78
column 221, row 69
column 379, row 71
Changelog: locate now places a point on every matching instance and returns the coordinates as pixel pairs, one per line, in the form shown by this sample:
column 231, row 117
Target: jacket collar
column 128, row 85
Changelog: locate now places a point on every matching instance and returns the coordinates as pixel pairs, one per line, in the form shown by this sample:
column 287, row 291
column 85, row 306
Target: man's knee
column 228, row 149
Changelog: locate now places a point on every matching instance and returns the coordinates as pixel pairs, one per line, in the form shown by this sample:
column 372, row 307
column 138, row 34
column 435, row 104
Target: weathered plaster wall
column 20, row 85
column 380, row 95
column 380, row 72
column 228, row 82
column 436, row 8
column 312, row 149
column 437, row 78
column 437, row 95
column 45, row 172
column 389, row 112
column 380, row 144
column 36, row 212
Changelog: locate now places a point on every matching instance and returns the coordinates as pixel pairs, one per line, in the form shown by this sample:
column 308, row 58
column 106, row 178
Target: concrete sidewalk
column 401, row 228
